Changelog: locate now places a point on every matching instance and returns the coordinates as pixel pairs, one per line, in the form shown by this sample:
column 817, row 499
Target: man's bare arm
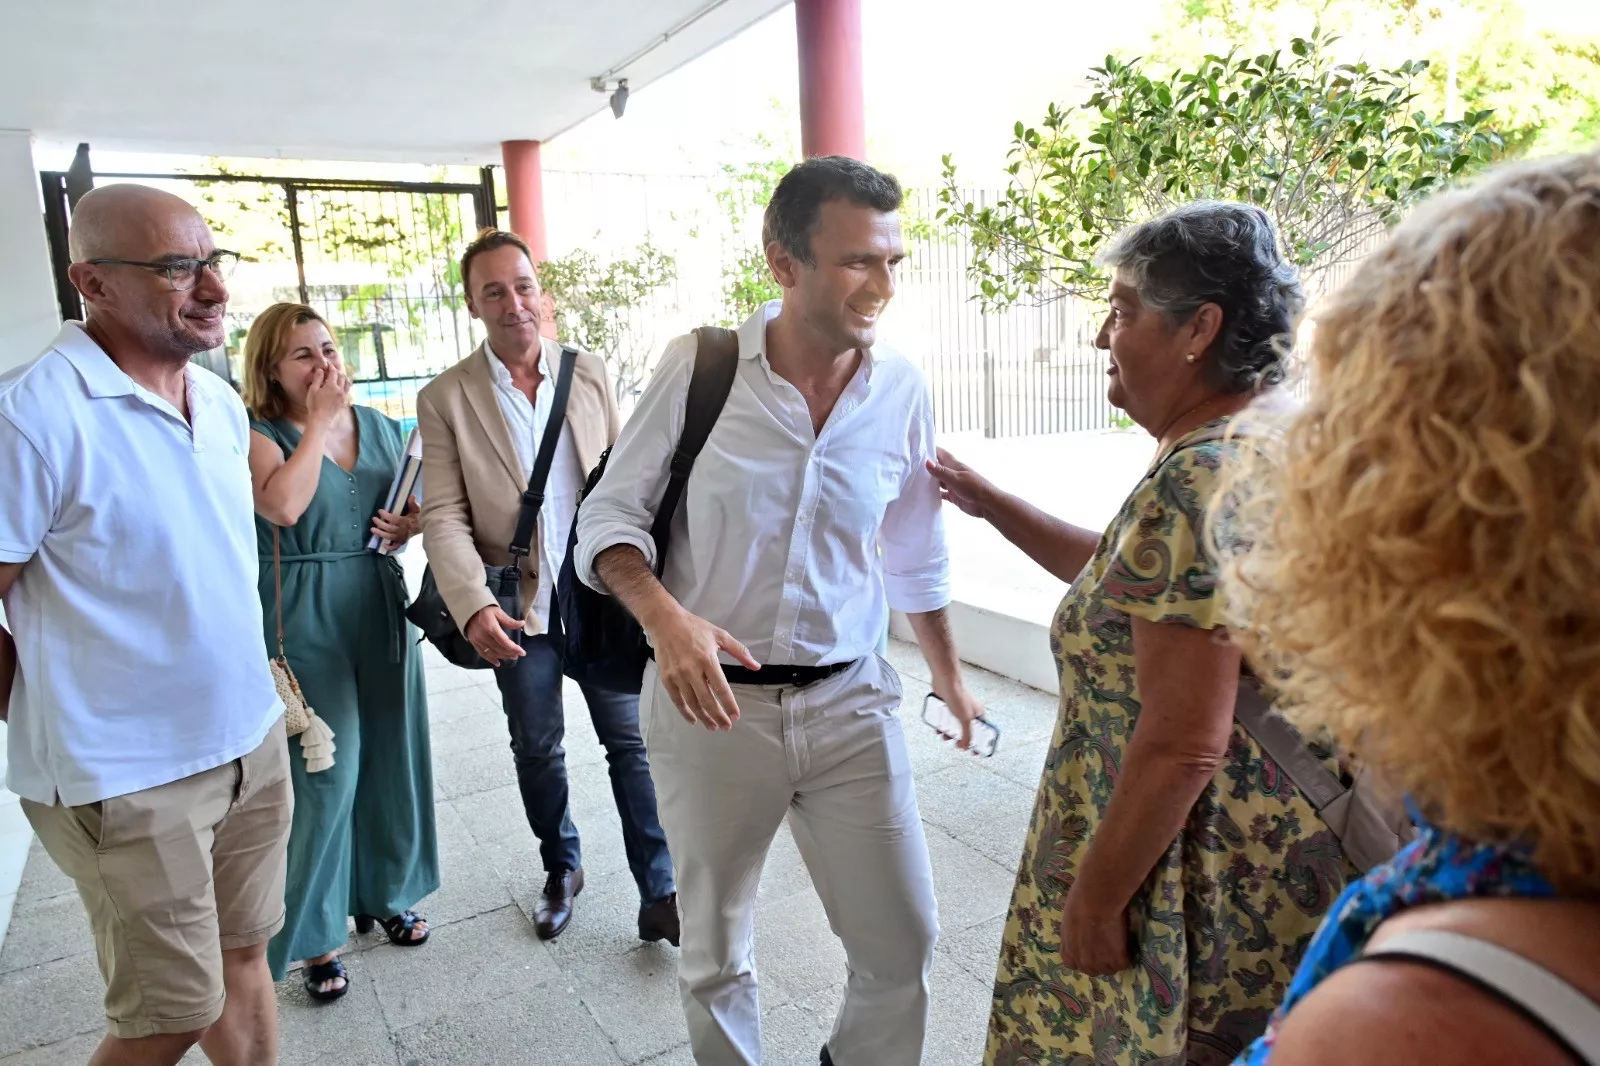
column 635, row 585
column 932, row 629
column 8, row 647
column 686, row 646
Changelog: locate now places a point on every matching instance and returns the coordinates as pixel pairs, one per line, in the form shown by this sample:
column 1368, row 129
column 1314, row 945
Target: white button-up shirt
column 527, row 422
column 777, row 538
column 141, row 657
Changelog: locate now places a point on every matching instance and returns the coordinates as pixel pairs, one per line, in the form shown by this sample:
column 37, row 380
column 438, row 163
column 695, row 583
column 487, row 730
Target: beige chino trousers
column 832, row 757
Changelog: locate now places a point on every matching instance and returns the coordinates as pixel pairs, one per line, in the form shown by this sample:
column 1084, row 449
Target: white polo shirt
column 141, row 657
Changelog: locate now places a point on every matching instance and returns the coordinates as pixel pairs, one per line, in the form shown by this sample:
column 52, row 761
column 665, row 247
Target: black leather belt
column 779, row 676
column 783, row 676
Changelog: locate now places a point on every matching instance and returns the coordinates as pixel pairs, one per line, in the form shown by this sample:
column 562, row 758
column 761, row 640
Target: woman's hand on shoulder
column 961, row 485
column 1402, row 1014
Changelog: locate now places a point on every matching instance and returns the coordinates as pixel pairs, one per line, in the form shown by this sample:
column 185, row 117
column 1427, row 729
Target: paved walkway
column 486, row 992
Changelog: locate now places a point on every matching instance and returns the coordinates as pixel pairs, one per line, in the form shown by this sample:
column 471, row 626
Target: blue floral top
column 1437, row 867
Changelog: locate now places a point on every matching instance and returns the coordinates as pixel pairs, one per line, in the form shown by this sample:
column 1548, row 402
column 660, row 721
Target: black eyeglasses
column 182, row 274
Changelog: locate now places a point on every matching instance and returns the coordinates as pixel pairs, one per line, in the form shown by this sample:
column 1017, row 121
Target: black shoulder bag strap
column 533, row 496
column 716, row 364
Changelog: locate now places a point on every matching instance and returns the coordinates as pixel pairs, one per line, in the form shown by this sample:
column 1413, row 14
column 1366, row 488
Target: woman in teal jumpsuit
column 363, row 840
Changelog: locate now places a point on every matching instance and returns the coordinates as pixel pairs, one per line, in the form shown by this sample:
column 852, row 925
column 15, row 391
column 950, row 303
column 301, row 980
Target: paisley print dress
column 1225, row 915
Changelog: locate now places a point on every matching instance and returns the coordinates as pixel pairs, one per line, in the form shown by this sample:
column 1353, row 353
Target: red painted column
column 525, row 198
column 833, row 114
column 525, row 194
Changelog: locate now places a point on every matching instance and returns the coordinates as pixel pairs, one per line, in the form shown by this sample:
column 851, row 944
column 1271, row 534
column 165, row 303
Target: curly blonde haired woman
column 1425, row 571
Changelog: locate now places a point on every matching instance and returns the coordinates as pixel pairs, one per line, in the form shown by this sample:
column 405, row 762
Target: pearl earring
column 1191, row 357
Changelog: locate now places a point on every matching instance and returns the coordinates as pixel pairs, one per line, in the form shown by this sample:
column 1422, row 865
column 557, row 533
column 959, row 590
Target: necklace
column 1224, row 398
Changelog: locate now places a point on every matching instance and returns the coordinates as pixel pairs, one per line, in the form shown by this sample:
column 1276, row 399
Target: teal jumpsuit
column 363, row 839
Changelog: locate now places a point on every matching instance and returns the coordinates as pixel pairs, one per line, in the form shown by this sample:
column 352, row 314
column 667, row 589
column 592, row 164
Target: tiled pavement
column 486, row 992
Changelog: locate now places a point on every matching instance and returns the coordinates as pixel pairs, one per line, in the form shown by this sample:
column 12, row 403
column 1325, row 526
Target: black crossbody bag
column 429, row 612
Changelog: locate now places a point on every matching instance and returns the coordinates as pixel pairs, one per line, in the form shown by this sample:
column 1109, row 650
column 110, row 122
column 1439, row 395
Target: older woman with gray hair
column 1172, row 874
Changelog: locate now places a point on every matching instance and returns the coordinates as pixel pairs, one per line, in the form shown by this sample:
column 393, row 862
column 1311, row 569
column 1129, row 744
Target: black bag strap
column 533, row 496
column 716, row 363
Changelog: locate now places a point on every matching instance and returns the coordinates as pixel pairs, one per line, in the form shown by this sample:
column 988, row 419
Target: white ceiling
column 428, row 81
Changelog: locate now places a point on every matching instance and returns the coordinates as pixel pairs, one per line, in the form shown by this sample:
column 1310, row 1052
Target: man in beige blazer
column 481, row 422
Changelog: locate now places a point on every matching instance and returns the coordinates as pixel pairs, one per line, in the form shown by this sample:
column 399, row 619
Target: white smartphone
column 937, row 714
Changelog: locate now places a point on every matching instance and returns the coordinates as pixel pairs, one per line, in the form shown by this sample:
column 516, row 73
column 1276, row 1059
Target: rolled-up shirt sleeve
column 916, row 559
column 622, row 507
column 31, row 498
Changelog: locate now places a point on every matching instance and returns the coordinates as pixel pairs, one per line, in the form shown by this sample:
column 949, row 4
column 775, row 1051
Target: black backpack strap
column 716, row 363
column 533, row 496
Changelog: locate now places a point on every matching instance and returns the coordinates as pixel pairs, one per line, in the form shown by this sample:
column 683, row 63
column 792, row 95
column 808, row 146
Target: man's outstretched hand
column 686, row 649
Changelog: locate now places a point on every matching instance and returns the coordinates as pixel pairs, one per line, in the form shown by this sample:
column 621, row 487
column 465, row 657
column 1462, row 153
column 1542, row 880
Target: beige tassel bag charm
column 316, row 739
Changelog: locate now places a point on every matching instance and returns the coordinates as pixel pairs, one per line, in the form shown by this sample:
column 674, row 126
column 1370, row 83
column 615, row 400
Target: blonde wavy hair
column 265, row 344
column 1422, row 563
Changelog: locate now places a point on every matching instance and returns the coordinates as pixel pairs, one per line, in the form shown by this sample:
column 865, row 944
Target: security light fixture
column 619, row 89
column 619, row 94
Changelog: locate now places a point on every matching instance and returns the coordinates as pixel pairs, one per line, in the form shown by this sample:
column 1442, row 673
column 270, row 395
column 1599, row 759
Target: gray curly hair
column 1216, row 251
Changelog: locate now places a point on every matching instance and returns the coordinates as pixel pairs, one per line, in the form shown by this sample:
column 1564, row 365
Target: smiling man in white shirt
column 146, row 736
column 810, row 513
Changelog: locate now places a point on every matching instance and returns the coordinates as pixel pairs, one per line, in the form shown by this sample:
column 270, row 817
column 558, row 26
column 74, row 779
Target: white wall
column 28, row 319
column 1001, row 643
column 29, row 316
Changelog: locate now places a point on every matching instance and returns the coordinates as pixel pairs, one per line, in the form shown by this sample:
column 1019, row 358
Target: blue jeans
column 530, row 692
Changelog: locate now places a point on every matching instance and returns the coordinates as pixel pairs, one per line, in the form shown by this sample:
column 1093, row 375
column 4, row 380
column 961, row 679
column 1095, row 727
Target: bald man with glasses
column 146, row 736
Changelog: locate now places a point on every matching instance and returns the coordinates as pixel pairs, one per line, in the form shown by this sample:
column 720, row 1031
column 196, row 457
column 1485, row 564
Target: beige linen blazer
column 472, row 481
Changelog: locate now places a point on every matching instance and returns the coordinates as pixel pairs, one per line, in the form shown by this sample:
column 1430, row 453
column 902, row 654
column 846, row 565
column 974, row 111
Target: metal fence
column 609, row 215
column 381, row 266
column 1029, row 369
column 1032, row 369
column 378, row 260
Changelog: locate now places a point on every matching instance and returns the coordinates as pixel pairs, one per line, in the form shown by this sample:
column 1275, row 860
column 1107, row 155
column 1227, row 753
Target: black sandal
column 316, row 973
column 397, row 927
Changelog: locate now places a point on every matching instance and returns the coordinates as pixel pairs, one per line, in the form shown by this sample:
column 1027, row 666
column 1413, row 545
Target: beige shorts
column 174, row 876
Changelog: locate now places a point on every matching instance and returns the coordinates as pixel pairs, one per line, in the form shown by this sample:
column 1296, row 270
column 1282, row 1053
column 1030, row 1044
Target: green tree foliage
column 1332, row 151
column 252, row 218
column 418, row 239
column 405, row 231
column 598, row 306
column 1541, row 81
column 747, row 281
column 1543, row 87
column 412, row 242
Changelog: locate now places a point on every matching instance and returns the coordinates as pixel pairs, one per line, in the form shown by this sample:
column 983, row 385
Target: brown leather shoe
column 659, row 920
column 555, row 906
